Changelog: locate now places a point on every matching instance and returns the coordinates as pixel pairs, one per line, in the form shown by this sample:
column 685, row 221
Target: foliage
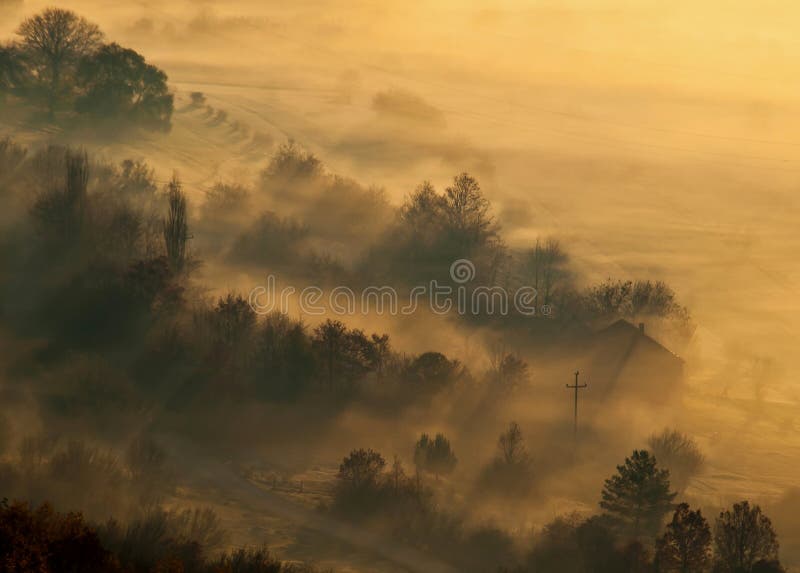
column 361, row 469
column 61, row 60
column 54, row 41
column 511, row 471
column 570, row 544
column 635, row 299
column 509, row 372
column 291, row 162
column 743, row 536
column 434, row 455
column 638, row 496
column 225, row 200
column 254, row 560
column 45, row 541
column 176, row 227
column 432, row 371
column 116, row 82
column 343, row 354
column 685, row 547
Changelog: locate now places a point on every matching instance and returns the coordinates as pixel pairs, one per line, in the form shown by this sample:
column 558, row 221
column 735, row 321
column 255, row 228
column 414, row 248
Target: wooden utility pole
column 576, row 387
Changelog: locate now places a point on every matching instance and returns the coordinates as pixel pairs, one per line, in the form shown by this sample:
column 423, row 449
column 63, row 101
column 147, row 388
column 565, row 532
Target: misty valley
column 306, row 288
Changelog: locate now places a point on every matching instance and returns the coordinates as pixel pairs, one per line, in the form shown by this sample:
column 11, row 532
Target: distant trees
column 638, row 496
column 340, row 352
column 511, row 471
column 434, row 455
column 434, row 229
column 685, row 547
column 544, row 267
column 677, row 453
column 117, row 82
column 284, row 361
column 290, row 162
column 569, row 544
column 59, row 211
column 54, row 42
column 361, row 469
column 631, row 299
column 508, row 372
column 467, row 213
column 61, row 60
column 744, row 540
column 432, row 371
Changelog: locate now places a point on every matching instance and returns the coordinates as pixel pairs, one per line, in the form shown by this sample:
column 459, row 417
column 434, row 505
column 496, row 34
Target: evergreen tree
column 638, row 497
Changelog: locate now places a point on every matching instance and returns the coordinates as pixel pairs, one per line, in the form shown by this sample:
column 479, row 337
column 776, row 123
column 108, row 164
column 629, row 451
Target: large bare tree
column 55, row 40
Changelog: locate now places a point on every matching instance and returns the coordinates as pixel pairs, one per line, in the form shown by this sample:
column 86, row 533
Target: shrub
column 679, row 454
column 45, row 541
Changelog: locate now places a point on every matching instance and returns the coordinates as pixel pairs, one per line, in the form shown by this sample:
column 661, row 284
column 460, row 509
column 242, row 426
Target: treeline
column 101, row 260
column 332, row 231
column 639, row 530
column 61, row 63
column 43, row 540
column 100, row 263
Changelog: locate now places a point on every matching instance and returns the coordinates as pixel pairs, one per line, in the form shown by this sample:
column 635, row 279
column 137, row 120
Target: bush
column 161, row 536
column 197, row 98
column 254, row 560
column 44, row 541
column 677, row 453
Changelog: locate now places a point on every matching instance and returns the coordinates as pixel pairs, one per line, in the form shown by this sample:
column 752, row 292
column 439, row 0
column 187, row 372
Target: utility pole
column 576, row 387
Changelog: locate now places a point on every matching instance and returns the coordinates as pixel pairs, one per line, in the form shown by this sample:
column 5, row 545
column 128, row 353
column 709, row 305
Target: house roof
column 628, row 335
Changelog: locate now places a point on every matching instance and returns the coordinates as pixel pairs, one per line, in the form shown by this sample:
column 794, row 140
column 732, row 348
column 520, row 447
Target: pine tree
column 638, row 497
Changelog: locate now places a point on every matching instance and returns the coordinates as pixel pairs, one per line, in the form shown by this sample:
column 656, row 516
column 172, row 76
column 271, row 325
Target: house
column 622, row 360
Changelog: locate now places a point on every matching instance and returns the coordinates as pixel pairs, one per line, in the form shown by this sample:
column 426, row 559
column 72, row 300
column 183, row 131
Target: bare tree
column 55, row 40
column 679, row 454
column 544, row 268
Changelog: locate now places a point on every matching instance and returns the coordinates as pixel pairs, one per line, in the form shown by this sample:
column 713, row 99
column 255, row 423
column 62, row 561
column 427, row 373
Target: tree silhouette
column 467, row 212
column 346, row 355
column 117, row 82
column 361, row 468
column 638, row 497
column 54, row 41
column 679, row 454
column 544, row 268
column 743, row 537
column 176, row 227
column 435, row 456
column 686, row 545
column 510, row 472
column 512, row 446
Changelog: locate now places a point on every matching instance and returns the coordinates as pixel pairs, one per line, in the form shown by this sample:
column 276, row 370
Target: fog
column 653, row 140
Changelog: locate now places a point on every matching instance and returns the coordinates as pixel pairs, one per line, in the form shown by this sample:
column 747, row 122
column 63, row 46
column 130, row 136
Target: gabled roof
column 628, row 335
